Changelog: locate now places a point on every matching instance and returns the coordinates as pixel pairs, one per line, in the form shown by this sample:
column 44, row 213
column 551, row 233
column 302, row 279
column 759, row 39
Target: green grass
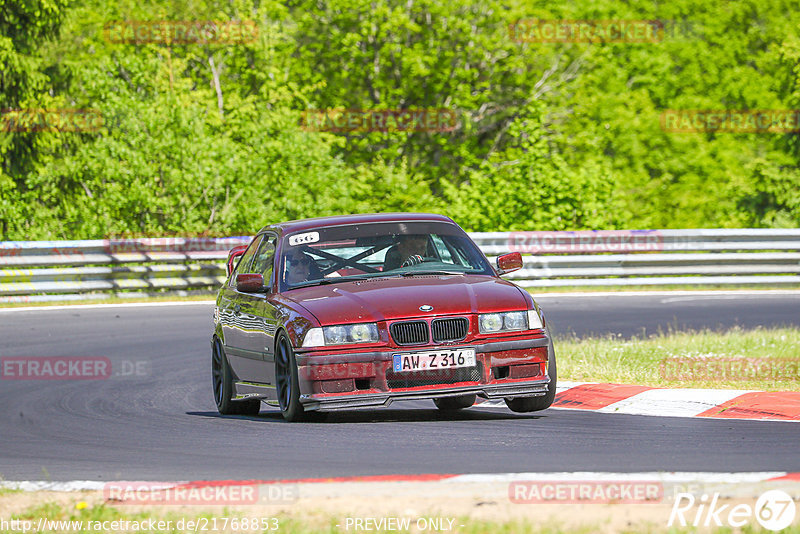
column 638, row 360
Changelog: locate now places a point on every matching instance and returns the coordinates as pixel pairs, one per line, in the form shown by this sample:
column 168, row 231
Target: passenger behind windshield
column 409, row 250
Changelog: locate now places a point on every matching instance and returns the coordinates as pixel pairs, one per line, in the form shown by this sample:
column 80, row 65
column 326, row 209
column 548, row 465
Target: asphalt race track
column 155, row 419
column 636, row 315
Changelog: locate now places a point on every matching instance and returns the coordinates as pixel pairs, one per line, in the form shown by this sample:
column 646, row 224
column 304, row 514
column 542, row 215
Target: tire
column 222, row 382
column 451, row 404
column 535, row 404
column 286, row 381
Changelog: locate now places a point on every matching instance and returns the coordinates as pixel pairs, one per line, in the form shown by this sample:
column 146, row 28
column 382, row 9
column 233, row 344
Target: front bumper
column 505, row 368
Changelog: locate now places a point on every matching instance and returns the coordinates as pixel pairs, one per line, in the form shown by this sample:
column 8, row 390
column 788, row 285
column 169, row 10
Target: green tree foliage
column 23, row 83
column 424, row 54
column 528, row 187
column 207, row 137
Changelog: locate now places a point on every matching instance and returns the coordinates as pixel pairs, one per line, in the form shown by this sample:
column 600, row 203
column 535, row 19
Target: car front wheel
column 535, row 404
column 288, row 387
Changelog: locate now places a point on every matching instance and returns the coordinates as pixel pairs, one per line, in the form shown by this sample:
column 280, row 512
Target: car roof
column 339, row 220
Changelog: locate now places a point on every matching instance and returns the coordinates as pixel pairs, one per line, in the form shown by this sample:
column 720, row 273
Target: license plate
column 425, row 361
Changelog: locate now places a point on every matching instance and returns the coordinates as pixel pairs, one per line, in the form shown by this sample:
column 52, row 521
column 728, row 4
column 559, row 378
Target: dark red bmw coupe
column 362, row 310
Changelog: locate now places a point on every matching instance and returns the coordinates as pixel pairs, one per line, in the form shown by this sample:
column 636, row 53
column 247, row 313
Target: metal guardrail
column 650, row 257
column 36, row 271
column 32, row 271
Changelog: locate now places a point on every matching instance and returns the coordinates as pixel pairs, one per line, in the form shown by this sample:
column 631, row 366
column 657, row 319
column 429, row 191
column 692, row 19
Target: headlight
column 363, row 333
column 341, row 335
column 489, row 323
column 335, row 335
column 515, row 321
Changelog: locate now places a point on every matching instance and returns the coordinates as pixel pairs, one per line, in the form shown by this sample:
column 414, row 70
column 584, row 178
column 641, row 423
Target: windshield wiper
column 320, row 282
column 414, row 273
column 337, row 279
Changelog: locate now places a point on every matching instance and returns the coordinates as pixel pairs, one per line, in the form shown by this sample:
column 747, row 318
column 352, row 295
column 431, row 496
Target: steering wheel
column 415, row 259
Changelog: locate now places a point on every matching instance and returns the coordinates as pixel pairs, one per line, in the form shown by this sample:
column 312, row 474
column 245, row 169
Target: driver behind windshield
column 409, row 250
column 300, row 268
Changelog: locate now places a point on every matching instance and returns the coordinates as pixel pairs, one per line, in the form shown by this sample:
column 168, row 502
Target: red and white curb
column 644, row 400
column 666, row 478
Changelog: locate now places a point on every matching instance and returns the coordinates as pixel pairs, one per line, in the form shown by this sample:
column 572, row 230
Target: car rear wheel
column 535, row 404
column 288, row 387
column 450, row 404
column 222, row 381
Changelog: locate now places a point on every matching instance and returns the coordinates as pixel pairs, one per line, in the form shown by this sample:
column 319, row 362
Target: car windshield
column 341, row 253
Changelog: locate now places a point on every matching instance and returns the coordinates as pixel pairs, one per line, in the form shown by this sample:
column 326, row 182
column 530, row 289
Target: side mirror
column 249, row 283
column 234, row 254
column 509, row 262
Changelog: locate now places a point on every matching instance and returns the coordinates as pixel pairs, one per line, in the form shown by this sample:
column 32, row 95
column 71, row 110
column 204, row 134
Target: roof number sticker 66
column 304, row 239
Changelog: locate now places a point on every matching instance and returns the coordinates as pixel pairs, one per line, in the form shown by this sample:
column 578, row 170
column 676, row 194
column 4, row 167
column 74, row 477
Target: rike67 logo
column 774, row 510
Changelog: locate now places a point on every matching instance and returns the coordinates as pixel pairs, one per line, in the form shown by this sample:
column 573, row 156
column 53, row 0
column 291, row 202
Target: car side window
column 247, row 258
column 265, row 259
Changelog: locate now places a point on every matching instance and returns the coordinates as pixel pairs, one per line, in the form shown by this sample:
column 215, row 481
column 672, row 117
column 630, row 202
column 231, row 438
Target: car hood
column 380, row 299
